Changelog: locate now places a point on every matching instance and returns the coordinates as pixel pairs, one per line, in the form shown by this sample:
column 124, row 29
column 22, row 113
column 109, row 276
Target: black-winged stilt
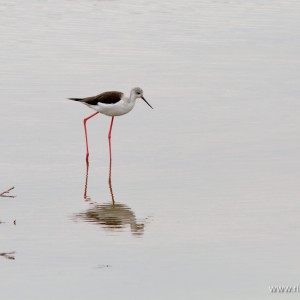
column 112, row 104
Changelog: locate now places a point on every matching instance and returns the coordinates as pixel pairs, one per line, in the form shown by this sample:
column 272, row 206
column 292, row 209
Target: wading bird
column 112, row 104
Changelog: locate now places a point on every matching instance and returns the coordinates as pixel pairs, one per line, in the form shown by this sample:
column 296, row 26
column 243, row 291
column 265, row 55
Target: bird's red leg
column 109, row 136
column 86, row 138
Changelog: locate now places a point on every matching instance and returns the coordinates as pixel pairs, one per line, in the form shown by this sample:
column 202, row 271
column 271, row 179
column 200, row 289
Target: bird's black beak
column 146, row 101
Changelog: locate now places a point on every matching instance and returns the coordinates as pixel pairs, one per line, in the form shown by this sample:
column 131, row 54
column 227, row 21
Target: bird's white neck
column 132, row 98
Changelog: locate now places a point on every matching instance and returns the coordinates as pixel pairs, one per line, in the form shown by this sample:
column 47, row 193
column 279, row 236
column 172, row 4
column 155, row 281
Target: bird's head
column 138, row 93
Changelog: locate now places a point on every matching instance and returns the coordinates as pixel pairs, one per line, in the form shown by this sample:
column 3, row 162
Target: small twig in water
column 8, row 255
column 3, row 194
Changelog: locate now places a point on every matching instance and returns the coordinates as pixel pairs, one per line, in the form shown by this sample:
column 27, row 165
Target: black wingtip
column 75, row 99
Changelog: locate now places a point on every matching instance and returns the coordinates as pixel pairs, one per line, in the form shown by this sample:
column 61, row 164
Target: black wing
column 105, row 98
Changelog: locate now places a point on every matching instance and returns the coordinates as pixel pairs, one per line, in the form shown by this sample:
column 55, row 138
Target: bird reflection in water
column 111, row 216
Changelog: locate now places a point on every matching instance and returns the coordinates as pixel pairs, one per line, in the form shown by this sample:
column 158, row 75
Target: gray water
column 205, row 186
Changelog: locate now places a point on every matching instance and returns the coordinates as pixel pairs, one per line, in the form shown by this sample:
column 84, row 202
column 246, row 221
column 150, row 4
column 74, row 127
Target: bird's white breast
column 118, row 109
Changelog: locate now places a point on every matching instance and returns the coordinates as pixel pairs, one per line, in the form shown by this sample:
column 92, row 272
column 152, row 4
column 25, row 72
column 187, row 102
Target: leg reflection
column 85, row 196
column 111, row 216
column 110, row 185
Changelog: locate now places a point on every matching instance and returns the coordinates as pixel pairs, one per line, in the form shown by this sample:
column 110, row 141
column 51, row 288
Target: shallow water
column 205, row 186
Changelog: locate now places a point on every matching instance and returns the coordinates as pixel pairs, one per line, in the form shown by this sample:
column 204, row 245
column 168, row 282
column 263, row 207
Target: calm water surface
column 204, row 198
